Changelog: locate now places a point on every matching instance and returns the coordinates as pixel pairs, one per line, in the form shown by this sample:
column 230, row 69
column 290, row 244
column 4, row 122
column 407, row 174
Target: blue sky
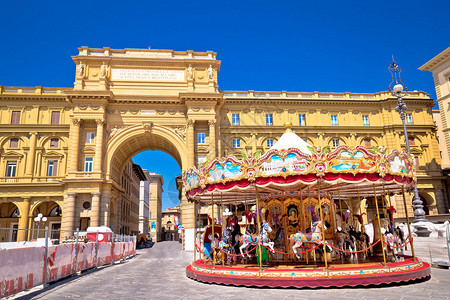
column 327, row 46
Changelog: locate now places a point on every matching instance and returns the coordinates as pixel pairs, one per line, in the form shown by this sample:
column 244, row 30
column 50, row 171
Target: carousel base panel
column 336, row 276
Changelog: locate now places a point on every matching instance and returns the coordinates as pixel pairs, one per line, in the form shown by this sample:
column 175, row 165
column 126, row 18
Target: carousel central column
column 259, row 228
column 379, row 224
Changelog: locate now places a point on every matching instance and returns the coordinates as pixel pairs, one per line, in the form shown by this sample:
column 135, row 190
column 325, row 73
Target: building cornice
column 433, row 63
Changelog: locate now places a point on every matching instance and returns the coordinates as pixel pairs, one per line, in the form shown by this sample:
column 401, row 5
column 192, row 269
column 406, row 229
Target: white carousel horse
column 299, row 238
column 249, row 239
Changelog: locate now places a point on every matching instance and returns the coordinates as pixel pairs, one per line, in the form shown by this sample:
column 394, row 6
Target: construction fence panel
column 21, row 268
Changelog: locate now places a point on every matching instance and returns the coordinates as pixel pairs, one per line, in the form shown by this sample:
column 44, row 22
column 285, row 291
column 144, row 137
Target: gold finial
column 288, row 126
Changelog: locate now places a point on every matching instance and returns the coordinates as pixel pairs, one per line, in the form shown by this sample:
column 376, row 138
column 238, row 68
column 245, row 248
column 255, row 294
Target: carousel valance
column 286, row 167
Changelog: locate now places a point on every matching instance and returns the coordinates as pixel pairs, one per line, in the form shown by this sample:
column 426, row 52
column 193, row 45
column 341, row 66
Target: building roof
column 436, row 61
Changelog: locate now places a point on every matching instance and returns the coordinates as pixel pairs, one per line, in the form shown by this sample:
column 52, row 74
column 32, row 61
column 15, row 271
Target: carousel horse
column 299, row 238
column 249, row 238
column 296, row 241
column 391, row 241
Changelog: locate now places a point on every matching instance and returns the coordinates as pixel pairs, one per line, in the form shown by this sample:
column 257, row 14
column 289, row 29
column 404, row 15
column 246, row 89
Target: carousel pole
column 259, row 229
column 221, row 215
column 407, row 221
column 385, row 204
column 379, row 224
column 286, row 247
column 213, row 238
column 342, row 217
column 360, row 210
column 310, row 216
column 195, row 230
column 323, row 225
column 301, row 211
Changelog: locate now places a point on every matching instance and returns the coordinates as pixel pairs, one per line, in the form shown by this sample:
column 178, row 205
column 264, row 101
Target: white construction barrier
column 21, row 268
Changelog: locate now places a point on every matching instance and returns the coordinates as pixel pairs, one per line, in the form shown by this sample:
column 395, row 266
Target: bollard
column 76, row 252
column 46, row 256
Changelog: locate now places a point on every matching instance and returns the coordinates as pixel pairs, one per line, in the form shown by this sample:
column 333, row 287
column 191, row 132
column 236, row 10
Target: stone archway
column 134, row 139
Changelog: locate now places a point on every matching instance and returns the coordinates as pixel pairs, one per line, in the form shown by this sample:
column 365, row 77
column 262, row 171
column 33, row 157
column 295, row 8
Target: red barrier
column 23, row 268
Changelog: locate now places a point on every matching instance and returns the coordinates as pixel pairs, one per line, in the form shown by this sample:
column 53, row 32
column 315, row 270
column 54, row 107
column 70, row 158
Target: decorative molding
column 147, row 126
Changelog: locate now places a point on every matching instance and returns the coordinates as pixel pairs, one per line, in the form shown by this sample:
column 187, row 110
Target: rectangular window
column 269, row 143
column 269, row 120
column 235, row 119
column 90, row 136
column 201, row 138
column 52, row 167
column 367, row 143
column 88, row 162
column 11, row 167
column 411, row 141
column 54, row 143
column 409, row 119
column 335, row 143
column 15, row 117
column 365, row 120
column 55, row 117
column 302, row 120
column 236, row 143
column 14, row 143
column 334, row 120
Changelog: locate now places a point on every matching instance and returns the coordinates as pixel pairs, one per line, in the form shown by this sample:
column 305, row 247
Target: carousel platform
column 298, row 276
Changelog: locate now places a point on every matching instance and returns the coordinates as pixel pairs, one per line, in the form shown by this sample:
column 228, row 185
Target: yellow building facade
column 130, row 100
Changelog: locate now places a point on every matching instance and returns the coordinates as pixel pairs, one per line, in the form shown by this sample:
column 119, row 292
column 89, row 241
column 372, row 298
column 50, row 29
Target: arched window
column 15, row 213
column 56, row 212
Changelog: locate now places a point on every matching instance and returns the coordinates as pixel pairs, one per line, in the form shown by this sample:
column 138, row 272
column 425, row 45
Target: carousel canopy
column 292, row 168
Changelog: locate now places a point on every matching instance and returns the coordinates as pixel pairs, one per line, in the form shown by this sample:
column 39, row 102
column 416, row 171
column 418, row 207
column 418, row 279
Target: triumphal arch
column 63, row 151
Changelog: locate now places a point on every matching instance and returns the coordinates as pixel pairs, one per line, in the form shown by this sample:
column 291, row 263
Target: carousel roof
column 290, row 140
column 293, row 168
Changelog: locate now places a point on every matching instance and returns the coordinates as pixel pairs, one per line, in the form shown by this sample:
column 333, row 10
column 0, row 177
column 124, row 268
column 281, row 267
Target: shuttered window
column 55, row 117
column 15, row 117
column 14, row 143
column 54, row 143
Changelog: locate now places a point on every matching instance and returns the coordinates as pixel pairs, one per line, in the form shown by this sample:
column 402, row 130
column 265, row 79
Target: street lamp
column 38, row 220
column 399, row 91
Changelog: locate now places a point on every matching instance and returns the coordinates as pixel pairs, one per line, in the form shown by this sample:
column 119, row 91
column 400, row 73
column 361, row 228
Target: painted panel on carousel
column 398, row 165
column 192, row 179
column 290, row 163
column 224, row 171
column 347, row 161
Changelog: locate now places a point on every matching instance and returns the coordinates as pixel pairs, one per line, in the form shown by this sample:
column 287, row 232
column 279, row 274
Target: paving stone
column 159, row 273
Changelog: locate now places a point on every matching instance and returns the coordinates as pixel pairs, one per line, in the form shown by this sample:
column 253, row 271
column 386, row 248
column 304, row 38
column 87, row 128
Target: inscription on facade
column 147, row 75
column 148, row 112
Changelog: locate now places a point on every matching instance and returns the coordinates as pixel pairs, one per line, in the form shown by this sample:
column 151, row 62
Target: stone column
column 212, row 139
column 187, row 220
column 68, row 215
column 74, row 143
column 31, row 154
column 98, row 146
column 190, row 142
column 105, row 209
column 95, row 213
column 23, row 221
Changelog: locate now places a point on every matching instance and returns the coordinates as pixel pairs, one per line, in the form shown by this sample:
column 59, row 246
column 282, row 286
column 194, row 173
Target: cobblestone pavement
column 159, row 273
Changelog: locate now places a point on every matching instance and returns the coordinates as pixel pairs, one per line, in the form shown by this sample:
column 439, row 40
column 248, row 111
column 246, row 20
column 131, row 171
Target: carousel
column 301, row 216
